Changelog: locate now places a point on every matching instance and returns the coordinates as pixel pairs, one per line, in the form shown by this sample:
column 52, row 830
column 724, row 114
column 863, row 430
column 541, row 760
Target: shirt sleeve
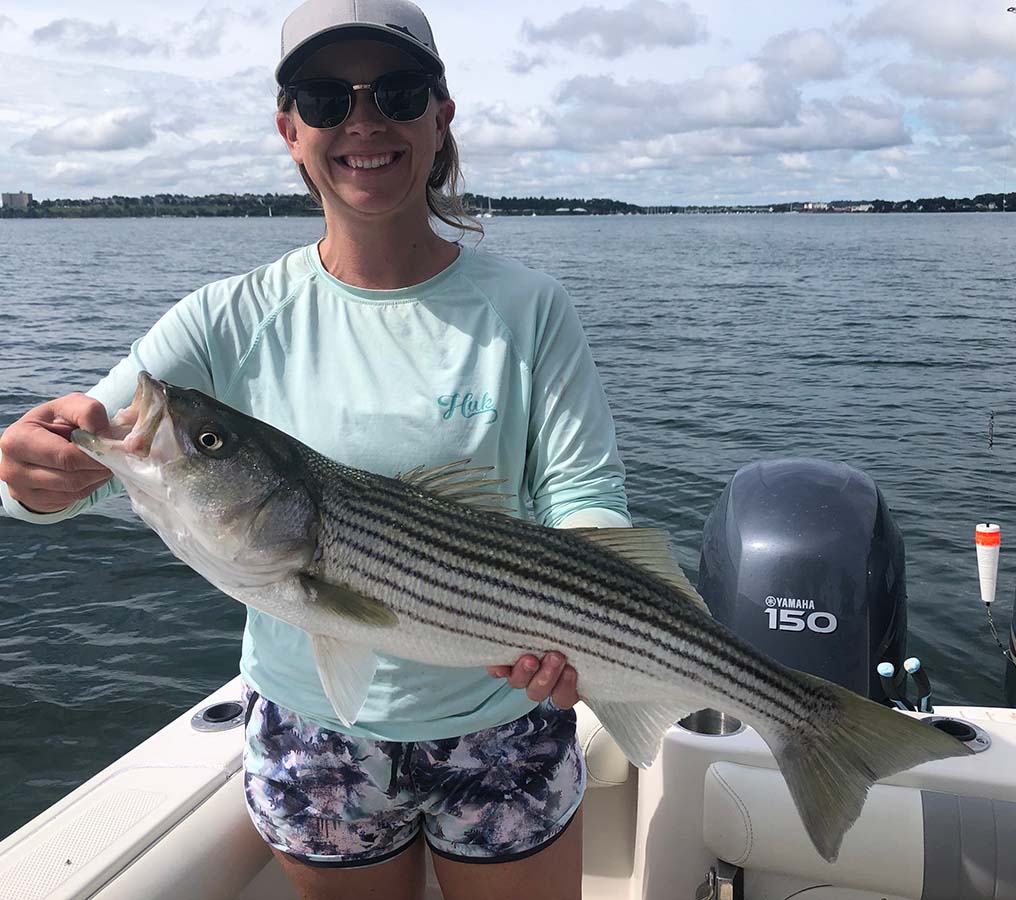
column 175, row 350
column 572, row 463
column 595, row 517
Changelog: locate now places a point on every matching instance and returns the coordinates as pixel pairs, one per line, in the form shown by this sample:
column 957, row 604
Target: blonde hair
column 443, row 199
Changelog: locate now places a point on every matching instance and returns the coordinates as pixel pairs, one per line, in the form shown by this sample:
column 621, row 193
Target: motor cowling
column 802, row 559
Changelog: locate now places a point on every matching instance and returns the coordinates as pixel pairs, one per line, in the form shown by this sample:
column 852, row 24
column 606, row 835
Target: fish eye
column 209, row 440
column 212, row 438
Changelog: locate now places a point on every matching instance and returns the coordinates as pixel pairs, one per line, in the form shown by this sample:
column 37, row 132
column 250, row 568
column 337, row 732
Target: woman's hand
column 43, row 470
column 550, row 678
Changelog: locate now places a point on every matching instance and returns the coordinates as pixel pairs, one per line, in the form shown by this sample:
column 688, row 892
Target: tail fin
column 829, row 772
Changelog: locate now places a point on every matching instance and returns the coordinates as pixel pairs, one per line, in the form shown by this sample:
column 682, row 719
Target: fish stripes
column 400, row 531
column 407, row 520
column 511, row 633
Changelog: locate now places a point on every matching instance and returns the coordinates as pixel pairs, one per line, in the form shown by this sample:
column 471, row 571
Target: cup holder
column 975, row 738
column 218, row 716
column 711, row 722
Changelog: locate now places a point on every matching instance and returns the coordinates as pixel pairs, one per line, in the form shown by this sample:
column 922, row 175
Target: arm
column 573, row 470
column 575, row 475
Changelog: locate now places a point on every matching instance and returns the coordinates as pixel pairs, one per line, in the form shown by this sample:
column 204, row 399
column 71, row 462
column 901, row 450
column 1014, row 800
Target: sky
column 647, row 101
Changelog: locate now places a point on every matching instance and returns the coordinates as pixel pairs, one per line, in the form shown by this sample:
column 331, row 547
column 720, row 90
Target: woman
column 387, row 347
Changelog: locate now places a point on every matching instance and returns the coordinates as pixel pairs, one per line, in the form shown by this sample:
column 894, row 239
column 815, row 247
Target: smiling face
column 368, row 166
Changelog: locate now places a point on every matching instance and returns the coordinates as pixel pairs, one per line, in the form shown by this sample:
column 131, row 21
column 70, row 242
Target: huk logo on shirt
column 468, row 405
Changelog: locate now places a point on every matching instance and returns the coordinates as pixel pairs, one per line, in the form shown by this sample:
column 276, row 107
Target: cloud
column 611, row 33
column 945, row 29
column 200, row 37
column 795, row 162
column 182, row 123
column 939, row 82
column 496, row 129
column 117, row 129
column 977, row 119
column 77, row 174
column 808, row 54
column 851, row 123
column 87, row 37
column 854, row 123
column 522, row 63
column 634, row 171
column 203, row 36
column 737, row 111
column 7, row 22
column 598, row 109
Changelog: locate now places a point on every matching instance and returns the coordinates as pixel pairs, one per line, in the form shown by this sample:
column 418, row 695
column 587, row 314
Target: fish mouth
column 132, row 431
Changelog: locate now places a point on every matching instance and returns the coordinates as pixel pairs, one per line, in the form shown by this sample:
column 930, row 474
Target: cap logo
column 405, row 30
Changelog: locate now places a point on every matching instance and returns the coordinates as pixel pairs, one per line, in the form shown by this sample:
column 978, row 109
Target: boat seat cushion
column 606, row 765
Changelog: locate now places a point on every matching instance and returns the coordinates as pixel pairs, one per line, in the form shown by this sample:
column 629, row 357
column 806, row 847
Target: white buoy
column 987, row 539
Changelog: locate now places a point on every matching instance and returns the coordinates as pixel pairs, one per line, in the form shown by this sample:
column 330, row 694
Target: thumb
column 67, row 413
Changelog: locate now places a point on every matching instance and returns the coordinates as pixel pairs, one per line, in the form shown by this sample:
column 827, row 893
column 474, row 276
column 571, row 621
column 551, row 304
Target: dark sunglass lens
column 322, row 105
column 403, row 96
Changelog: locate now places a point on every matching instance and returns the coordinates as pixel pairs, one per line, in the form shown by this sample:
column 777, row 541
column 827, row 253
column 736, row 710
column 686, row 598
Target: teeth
column 368, row 162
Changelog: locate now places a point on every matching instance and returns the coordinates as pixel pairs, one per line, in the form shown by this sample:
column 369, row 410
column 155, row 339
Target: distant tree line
column 304, row 205
column 980, row 203
column 479, row 203
column 170, row 205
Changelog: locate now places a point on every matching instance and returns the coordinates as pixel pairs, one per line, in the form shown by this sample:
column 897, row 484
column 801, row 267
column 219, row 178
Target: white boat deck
column 168, row 821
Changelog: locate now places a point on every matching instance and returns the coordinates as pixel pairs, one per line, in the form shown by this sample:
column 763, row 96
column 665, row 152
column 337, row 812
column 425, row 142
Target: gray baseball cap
column 318, row 23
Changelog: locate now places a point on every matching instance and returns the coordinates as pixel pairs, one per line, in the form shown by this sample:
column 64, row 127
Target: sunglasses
column 326, row 102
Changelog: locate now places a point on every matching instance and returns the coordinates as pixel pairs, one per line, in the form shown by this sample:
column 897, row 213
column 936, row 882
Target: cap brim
column 296, row 57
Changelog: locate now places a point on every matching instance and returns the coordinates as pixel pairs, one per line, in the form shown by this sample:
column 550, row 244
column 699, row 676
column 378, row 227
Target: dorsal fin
column 462, row 483
column 649, row 549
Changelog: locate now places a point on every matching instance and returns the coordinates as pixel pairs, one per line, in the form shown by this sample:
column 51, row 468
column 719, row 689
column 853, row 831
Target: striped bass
column 423, row 567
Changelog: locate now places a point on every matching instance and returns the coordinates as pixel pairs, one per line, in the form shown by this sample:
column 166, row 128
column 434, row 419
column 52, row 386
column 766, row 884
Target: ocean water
column 881, row 341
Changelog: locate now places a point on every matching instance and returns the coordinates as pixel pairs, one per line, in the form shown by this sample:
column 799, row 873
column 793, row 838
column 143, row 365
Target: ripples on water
column 880, row 341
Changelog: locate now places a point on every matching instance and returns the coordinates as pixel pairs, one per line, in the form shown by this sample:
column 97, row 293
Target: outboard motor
column 802, row 559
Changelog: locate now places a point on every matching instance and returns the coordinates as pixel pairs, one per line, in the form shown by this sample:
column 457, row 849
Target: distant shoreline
column 496, row 215
column 479, row 206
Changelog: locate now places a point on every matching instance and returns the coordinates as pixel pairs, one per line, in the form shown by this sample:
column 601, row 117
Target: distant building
column 815, row 207
column 19, row 200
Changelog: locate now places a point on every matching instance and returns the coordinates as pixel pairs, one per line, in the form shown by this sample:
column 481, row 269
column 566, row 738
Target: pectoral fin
column 347, row 603
column 346, row 671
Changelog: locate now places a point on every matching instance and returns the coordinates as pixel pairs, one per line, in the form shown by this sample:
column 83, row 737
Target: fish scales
column 366, row 564
column 423, row 535
column 507, row 559
column 735, row 674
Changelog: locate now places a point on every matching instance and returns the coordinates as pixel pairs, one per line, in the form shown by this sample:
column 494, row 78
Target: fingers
column 47, row 490
column 78, row 410
column 566, row 692
column 42, row 435
column 43, row 470
column 551, row 677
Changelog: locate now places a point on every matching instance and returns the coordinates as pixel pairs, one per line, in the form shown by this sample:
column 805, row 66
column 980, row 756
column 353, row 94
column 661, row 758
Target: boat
column 711, row 818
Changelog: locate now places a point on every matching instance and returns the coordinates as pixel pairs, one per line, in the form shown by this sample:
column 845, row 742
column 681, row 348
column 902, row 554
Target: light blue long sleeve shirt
column 485, row 360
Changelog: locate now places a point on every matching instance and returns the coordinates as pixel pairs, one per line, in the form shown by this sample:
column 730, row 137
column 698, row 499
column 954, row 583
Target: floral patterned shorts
column 327, row 798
